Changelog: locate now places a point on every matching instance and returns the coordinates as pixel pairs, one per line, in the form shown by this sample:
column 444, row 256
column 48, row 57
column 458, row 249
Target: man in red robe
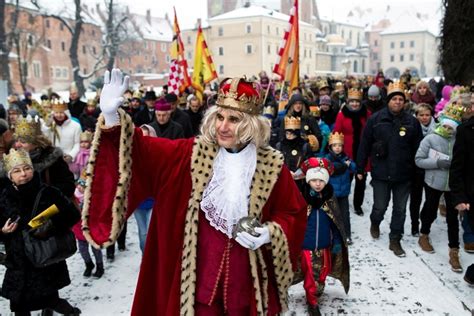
column 203, row 186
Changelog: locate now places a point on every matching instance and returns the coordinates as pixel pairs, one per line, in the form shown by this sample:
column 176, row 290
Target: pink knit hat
column 162, row 105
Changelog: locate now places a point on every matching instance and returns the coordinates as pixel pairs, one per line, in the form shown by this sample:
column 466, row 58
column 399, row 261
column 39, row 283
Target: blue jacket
column 341, row 180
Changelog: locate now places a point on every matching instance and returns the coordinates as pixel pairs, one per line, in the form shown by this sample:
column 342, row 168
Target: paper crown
column 268, row 111
column 292, row 122
column 86, row 136
column 28, row 128
column 338, row 86
column 354, row 94
column 458, row 90
column 92, row 102
column 408, row 93
column 46, row 104
column 240, row 95
column 316, row 162
column 336, row 138
column 58, row 105
column 137, row 94
column 314, row 111
column 453, row 112
column 323, row 84
column 395, row 87
column 16, row 158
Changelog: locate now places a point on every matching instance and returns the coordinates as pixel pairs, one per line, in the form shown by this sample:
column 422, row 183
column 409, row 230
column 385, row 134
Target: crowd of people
column 284, row 159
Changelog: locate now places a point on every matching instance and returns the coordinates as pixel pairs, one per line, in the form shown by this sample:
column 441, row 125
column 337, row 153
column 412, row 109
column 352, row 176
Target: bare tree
column 116, row 32
column 6, row 41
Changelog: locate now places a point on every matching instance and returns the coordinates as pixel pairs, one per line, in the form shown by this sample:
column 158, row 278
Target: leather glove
column 443, row 163
column 44, row 231
column 112, row 95
column 251, row 242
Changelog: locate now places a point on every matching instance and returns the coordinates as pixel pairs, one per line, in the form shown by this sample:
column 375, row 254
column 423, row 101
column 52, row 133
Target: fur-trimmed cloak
column 176, row 172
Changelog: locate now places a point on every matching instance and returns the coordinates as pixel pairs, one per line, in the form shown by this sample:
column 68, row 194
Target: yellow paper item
column 41, row 218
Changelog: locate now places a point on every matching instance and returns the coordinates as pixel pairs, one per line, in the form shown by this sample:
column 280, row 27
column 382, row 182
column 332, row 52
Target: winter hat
column 317, row 173
column 297, row 98
column 162, row 105
column 317, row 163
column 374, row 91
column 171, row 97
column 325, row 99
column 150, row 95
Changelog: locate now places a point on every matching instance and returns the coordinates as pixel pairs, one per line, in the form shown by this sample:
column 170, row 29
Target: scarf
column 58, row 122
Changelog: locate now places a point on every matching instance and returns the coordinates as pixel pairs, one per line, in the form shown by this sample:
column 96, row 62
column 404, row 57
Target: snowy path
column 381, row 284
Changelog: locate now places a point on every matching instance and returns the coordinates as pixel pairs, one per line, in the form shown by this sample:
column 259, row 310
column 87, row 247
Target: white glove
column 251, row 242
column 112, row 95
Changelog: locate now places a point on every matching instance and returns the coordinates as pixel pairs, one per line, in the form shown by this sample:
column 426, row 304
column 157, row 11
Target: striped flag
column 204, row 69
column 178, row 59
column 287, row 65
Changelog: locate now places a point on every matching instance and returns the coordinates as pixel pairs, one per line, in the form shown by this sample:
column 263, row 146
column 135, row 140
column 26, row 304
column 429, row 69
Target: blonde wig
column 251, row 128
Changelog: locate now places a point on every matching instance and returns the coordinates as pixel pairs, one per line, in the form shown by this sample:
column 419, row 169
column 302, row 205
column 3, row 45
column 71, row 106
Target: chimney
column 148, row 16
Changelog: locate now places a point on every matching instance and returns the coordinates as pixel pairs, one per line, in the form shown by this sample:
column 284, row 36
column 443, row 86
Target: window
column 277, row 31
column 47, row 23
column 190, row 55
column 402, row 57
column 145, row 45
column 94, row 50
column 93, row 32
column 268, row 29
column 355, row 66
column 248, row 28
column 350, row 34
column 48, row 44
column 61, row 26
column 412, row 57
column 146, row 57
column 363, row 65
column 305, row 36
column 65, row 73
column 37, row 69
column 163, row 47
column 57, row 72
column 375, row 56
column 412, row 44
column 220, row 31
column 269, row 48
column 276, row 49
column 84, row 50
column 221, row 69
column 248, row 48
column 149, row 70
column 31, row 39
column 342, row 33
column 63, row 46
column 402, row 44
column 310, row 54
column 168, row 58
column 392, row 44
column 304, row 54
column 221, row 51
column 392, row 58
column 376, row 43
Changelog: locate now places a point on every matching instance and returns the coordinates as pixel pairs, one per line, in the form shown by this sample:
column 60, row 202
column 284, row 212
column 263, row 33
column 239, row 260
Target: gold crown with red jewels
column 336, row 138
column 240, row 95
column 292, row 122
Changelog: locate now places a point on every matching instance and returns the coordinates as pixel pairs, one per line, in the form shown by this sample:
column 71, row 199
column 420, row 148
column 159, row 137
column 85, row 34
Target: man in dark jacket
column 163, row 125
column 391, row 139
column 147, row 114
column 75, row 105
column 461, row 179
column 179, row 116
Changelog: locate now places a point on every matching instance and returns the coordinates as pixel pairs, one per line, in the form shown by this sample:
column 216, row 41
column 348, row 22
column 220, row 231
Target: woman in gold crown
column 27, row 287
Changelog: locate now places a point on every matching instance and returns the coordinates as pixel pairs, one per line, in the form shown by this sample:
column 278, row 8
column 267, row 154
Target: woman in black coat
column 29, row 288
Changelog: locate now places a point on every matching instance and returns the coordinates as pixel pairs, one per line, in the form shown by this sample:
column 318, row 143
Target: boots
column 99, row 272
column 313, row 310
column 64, row 308
column 469, row 247
column 359, row 211
column 47, row 312
column 396, row 247
column 425, row 244
column 454, row 260
column 89, row 267
column 374, row 231
column 469, row 276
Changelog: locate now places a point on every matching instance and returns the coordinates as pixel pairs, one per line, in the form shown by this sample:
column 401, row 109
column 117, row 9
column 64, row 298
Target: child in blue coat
column 324, row 248
column 340, row 179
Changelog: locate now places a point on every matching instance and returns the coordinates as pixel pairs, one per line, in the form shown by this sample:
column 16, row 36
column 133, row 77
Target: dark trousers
column 84, row 251
column 430, row 211
column 343, row 202
column 416, row 194
column 382, row 191
column 120, row 240
column 359, row 191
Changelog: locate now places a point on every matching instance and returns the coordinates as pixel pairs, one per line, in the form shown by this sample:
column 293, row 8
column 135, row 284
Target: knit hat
column 317, row 174
column 162, row 105
column 325, row 99
column 374, row 91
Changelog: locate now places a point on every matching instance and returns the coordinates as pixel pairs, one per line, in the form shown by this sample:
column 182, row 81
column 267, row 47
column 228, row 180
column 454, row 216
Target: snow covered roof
column 254, row 11
column 410, row 23
column 153, row 28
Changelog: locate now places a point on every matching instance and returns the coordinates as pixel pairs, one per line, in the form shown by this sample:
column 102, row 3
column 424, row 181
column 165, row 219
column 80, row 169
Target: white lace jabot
column 226, row 197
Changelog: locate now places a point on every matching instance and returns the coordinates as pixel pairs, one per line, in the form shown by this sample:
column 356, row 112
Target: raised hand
column 111, row 96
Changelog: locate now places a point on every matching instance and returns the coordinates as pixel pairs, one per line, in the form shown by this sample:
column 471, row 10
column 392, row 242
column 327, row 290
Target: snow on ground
column 381, row 283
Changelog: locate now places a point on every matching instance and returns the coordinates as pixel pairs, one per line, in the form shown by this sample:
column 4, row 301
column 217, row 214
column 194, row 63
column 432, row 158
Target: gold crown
column 354, row 94
column 314, row 111
column 92, row 102
column 86, row 136
column 454, row 112
column 16, row 158
column 269, row 110
column 58, row 105
column 28, row 128
column 244, row 103
column 292, row 122
column 336, row 138
column 395, row 87
column 323, row 84
column 457, row 91
column 137, row 94
column 414, row 80
column 338, row 86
